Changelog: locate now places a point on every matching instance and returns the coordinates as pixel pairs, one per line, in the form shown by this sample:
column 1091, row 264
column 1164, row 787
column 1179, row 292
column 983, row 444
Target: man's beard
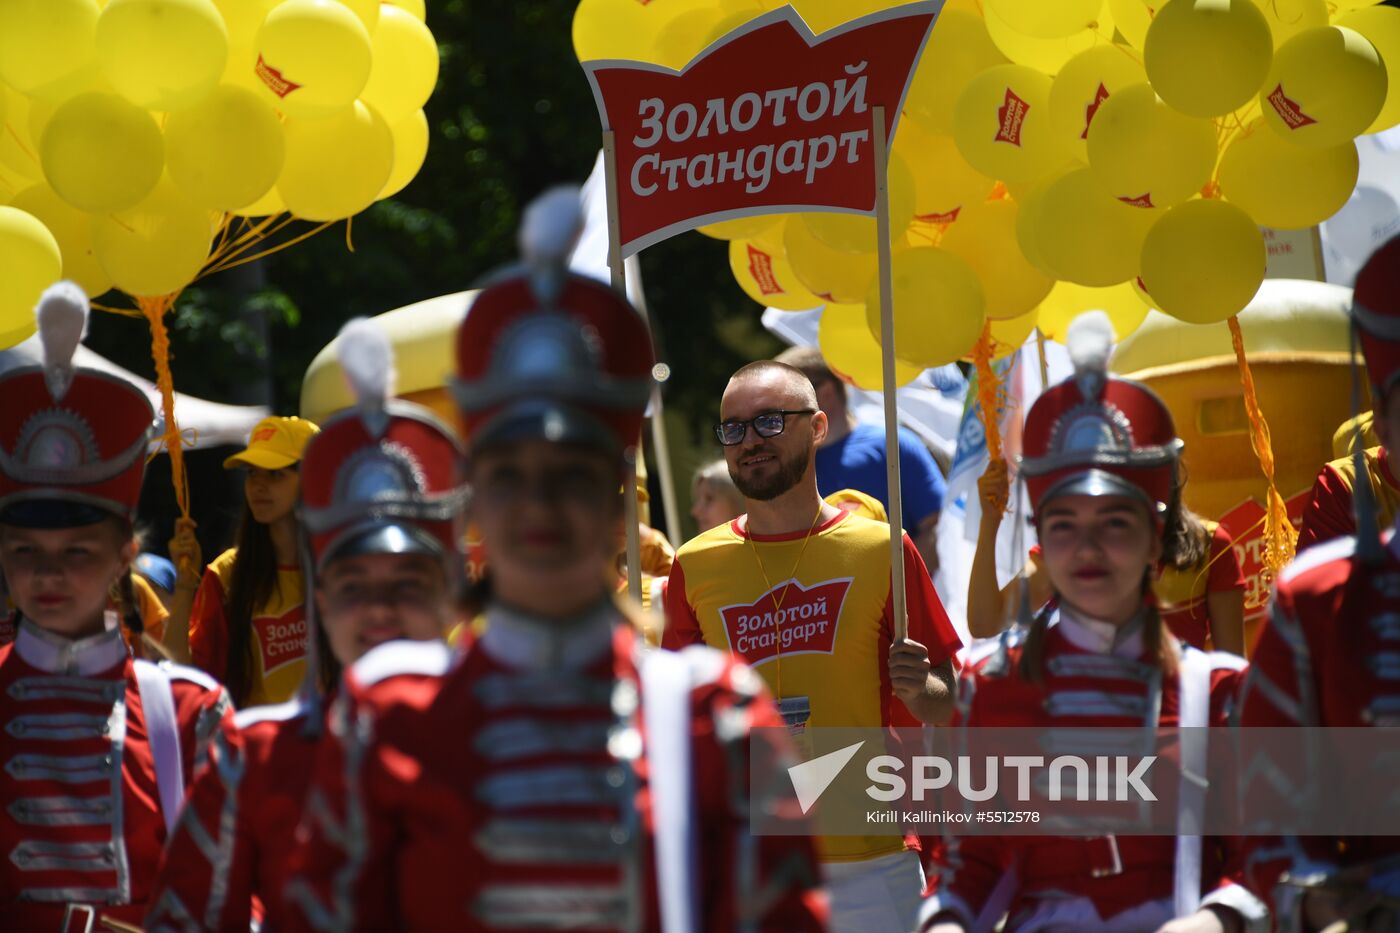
column 790, row 473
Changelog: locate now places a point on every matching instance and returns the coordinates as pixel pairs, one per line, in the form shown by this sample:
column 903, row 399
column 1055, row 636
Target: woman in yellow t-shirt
column 248, row 625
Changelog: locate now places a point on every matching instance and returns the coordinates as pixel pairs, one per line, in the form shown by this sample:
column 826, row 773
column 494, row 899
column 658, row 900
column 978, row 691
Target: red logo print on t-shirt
column 806, row 623
column 282, row 639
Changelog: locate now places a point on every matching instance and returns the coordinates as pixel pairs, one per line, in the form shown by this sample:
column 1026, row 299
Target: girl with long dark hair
column 248, row 623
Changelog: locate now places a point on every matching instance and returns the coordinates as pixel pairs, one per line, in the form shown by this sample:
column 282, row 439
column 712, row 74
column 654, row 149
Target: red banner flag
column 768, row 119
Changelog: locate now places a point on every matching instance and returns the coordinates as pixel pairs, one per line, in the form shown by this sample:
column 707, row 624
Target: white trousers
column 1077, row 915
column 878, row 895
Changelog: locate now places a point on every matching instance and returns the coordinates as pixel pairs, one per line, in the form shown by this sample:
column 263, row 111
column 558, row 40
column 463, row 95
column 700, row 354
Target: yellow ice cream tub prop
column 423, row 336
column 1296, row 339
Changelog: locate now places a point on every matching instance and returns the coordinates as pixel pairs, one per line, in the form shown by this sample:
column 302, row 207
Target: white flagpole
column 659, row 443
column 619, row 282
column 886, row 279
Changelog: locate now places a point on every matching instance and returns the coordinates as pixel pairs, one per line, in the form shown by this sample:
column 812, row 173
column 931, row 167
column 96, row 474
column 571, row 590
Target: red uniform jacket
column 80, row 813
column 510, row 787
column 227, row 860
column 1089, row 680
column 1325, row 657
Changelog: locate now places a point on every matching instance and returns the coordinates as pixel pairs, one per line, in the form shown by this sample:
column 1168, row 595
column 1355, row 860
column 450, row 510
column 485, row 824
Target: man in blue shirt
column 853, row 457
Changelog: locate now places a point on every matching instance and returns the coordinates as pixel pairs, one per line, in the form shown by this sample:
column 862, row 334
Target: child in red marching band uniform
column 1329, row 656
column 555, row 774
column 1100, row 456
column 381, row 502
column 97, row 747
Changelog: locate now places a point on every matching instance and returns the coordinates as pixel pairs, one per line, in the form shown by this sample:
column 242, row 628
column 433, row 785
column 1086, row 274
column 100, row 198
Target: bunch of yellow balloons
column 1055, row 157
column 130, row 129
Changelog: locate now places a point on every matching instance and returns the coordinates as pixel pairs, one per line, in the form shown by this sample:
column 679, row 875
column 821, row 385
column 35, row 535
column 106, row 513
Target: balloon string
column 155, row 309
column 1280, row 541
column 988, row 401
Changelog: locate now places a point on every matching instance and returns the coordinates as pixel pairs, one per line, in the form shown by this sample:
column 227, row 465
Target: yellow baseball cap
column 275, row 443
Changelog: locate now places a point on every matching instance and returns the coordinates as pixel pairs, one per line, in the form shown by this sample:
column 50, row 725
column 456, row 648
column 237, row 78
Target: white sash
column 666, row 699
column 158, row 706
column 1194, row 715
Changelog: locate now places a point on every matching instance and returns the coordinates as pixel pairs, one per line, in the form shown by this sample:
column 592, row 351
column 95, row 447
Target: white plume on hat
column 367, row 360
column 552, row 224
column 62, row 315
column 1089, row 339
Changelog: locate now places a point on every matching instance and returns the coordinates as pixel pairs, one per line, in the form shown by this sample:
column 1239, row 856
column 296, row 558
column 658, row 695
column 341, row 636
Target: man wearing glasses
column 801, row 590
column 853, row 456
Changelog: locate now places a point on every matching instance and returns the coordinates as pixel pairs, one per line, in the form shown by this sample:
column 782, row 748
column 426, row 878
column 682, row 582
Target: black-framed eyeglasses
column 766, row 424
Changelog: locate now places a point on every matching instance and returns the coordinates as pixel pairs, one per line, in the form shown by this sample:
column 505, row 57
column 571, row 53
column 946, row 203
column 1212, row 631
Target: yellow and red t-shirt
column 1181, row 594
column 1329, row 513
column 817, row 627
column 278, row 641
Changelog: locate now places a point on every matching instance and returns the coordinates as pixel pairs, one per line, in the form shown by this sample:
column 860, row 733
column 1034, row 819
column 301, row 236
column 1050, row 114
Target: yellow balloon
column 226, row 151
column 1086, row 236
column 410, row 149
column 1286, row 186
column 740, row 228
column 855, row 233
column 943, row 181
column 367, row 10
column 613, row 29
column 1067, row 301
column 1009, row 335
column 939, row 308
column 242, row 20
column 1046, row 20
column 32, row 264
column 48, row 48
column 404, row 67
column 19, row 153
column 822, row 15
column 1048, row 55
column 957, row 50
column 1132, row 17
column 853, row 352
column 162, row 54
column 1203, row 261
column 157, row 247
column 1287, row 18
column 1345, row 5
column 417, row 8
column 985, row 238
column 1381, row 26
column 72, row 230
column 629, row 30
column 678, row 42
column 1145, row 153
column 1326, row 86
column 318, row 182
column 102, row 153
column 1207, row 58
column 1029, row 203
column 767, row 278
column 830, row 274
column 313, row 57
column 1081, row 88
column 265, row 206
column 1002, row 123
